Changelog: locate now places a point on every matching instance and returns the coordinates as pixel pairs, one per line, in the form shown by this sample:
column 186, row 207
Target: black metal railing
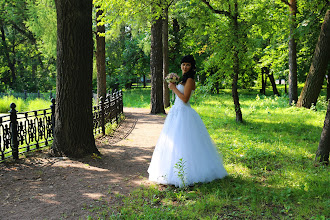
column 28, row 131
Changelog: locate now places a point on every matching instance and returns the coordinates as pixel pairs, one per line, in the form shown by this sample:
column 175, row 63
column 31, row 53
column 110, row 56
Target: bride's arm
column 185, row 96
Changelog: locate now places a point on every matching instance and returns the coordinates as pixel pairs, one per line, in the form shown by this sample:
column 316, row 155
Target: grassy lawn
column 269, row 158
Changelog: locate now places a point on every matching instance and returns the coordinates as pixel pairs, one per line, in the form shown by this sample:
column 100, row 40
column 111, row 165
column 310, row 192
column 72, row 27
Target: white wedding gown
column 185, row 153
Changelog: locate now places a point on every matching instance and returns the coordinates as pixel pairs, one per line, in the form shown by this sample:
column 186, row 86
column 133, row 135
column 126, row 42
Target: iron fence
column 32, row 130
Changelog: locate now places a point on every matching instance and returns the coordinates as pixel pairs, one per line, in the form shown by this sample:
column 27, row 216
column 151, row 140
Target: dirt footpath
column 39, row 187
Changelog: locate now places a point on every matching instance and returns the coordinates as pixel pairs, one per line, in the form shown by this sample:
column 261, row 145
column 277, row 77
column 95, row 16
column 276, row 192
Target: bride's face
column 185, row 67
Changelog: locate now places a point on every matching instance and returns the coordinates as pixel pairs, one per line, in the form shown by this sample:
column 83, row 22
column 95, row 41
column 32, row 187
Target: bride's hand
column 171, row 86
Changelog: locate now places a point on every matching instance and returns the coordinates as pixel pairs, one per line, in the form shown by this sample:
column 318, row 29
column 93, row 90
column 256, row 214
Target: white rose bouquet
column 172, row 78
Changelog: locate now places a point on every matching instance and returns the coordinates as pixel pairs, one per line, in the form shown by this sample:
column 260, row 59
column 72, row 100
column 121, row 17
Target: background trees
column 234, row 42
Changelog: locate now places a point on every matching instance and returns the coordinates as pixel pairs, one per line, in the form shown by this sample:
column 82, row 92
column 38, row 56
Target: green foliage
column 269, row 158
column 22, row 65
column 42, row 22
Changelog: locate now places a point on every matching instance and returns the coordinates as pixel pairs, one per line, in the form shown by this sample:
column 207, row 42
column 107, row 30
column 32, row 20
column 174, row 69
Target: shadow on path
column 39, row 187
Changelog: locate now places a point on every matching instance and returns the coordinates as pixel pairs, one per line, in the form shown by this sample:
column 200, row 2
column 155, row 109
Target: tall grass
column 22, row 105
column 269, row 158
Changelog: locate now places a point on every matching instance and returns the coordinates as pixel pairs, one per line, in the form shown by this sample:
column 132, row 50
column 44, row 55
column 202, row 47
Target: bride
column 185, row 154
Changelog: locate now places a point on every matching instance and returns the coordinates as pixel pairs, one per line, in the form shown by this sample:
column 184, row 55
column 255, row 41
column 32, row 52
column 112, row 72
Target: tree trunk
column 263, row 82
column 176, row 32
column 322, row 153
column 100, row 56
column 156, row 67
column 328, row 87
column 317, row 71
column 144, row 81
column 293, row 87
column 165, row 59
column 73, row 132
column 239, row 117
column 11, row 64
column 272, row 81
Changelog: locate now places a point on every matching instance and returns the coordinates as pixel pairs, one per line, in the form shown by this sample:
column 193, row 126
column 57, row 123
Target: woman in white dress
column 185, row 154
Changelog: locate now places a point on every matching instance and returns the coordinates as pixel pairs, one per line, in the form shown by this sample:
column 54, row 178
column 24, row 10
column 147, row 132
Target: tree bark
column 165, row 59
column 100, row 56
column 293, row 87
column 73, row 132
column 317, row 71
column 156, row 67
column 322, row 153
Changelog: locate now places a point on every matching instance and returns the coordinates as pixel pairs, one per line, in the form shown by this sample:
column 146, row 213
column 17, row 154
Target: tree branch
column 286, row 2
column 226, row 13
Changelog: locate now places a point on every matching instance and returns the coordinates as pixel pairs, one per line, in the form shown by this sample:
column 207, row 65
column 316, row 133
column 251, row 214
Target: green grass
column 269, row 158
column 138, row 98
column 21, row 105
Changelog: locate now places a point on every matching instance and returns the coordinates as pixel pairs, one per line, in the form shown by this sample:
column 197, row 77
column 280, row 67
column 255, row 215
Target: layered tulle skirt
column 185, row 154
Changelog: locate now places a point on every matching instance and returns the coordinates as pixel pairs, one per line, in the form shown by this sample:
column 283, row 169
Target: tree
column 322, row 153
column 232, row 14
column 318, row 68
column 73, row 132
column 100, row 55
column 166, row 92
column 293, row 87
column 156, row 63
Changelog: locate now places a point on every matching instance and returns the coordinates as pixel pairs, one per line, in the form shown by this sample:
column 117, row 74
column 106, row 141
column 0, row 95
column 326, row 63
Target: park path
column 39, row 187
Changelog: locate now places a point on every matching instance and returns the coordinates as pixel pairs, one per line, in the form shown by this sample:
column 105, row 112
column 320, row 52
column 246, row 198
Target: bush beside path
column 41, row 187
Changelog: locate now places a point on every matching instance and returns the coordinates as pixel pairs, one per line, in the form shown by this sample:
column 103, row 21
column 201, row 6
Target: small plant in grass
column 180, row 171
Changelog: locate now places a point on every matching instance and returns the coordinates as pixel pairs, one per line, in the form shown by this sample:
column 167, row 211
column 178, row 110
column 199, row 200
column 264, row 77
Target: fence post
column 52, row 106
column 117, row 107
column 121, row 102
column 25, row 95
column 51, row 94
column 13, row 130
column 102, row 115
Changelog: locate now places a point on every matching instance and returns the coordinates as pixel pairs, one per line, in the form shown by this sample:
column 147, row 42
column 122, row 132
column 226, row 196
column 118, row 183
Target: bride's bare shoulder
column 191, row 83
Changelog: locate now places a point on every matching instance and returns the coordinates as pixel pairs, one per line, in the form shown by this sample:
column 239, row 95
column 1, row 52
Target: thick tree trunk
column 73, row 132
column 317, row 71
column 156, row 67
column 165, row 59
column 293, row 87
column 322, row 153
column 239, row 117
column 100, row 57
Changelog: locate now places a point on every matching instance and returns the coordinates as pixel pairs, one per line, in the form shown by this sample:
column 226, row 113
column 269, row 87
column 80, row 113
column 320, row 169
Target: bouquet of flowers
column 172, row 78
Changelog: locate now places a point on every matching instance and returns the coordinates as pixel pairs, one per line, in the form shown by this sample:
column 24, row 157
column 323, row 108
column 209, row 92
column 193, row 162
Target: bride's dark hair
column 191, row 73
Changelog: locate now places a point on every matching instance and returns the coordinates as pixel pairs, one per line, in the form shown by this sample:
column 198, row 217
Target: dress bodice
column 180, row 87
